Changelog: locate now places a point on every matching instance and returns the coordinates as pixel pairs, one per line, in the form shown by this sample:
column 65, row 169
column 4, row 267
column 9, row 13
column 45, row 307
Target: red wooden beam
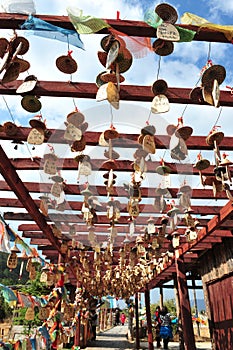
column 213, row 225
column 200, row 246
column 185, row 309
column 102, row 219
column 16, row 185
column 124, row 140
column 118, row 191
column 127, row 92
column 222, row 233
column 145, row 208
column 212, row 239
column 32, row 230
column 129, row 27
column 121, row 166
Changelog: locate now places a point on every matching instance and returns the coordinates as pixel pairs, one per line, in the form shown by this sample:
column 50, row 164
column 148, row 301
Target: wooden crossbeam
column 222, row 233
column 100, row 165
column 118, row 191
column 129, row 27
column 127, row 92
column 102, row 219
column 124, row 140
column 16, row 185
column 199, row 244
column 145, row 208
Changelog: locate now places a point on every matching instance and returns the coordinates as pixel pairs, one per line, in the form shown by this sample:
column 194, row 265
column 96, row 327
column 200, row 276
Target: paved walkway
column 115, row 339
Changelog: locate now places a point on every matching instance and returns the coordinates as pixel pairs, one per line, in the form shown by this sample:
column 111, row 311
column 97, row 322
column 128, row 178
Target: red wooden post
column 161, row 297
column 137, row 322
column 185, row 310
column 148, row 317
column 77, row 333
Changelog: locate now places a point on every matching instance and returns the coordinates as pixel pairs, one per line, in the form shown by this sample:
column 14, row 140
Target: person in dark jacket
column 165, row 328
column 157, row 321
column 94, row 323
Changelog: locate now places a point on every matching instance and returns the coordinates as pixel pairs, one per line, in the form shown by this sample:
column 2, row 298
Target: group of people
column 163, row 327
column 119, row 318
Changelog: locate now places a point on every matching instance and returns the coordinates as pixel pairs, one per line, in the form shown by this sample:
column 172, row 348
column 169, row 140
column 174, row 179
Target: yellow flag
column 190, row 18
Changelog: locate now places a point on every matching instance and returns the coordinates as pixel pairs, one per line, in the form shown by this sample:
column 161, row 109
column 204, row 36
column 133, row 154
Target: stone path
column 115, row 339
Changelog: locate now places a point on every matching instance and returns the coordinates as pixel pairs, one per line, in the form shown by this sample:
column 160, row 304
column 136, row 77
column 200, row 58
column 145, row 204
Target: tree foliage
column 169, row 303
column 5, row 310
column 19, row 319
column 35, row 287
column 9, row 278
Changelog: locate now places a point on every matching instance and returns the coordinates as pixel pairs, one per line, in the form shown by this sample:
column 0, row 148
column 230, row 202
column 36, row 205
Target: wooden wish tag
column 50, row 167
column 32, row 273
column 148, row 144
column 56, row 189
column 215, row 93
column 50, row 279
column 30, row 314
column 113, row 95
column 133, row 209
column 44, row 206
column 102, row 93
column 29, row 264
column 35, row 137
column 43, row 313
column 50, row 164
column 28, row 85
column 43, row 277
column 112, row 53
column 12, row 261
column 102, row 141
column 167, row 31
column 160, row 104
column 84, row 168
column 72, row 133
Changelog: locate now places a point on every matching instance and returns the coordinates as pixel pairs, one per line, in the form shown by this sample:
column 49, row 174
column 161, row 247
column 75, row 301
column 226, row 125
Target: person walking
column 165, row 328
column 130, row 322
column 94, row 323
column 117, row 317
column 123, row 318
column 157, row 321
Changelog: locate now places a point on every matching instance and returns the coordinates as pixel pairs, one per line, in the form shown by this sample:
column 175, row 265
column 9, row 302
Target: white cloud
column 221, row 7
column 101, row 8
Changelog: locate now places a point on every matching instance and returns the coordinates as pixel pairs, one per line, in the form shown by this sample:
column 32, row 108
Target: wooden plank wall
column 217, row 262
column 217, row 277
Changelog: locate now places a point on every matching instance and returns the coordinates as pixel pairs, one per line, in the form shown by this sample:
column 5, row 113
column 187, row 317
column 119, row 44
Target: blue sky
column 181, row 69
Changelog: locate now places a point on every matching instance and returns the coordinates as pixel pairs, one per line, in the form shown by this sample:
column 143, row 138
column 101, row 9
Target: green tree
column 169, row 303
column 171, row 306
column 28, row 325
column 35, row 287
column 7, row 277
column 5, row 310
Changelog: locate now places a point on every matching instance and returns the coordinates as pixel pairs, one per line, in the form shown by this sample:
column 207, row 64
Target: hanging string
column 75, row 106
column 209, row 52
column 159, row 64
column 218, row 117
column 164, row 153
column 111, row 113
column 182, row 114
column 8, row 108
column 68, row 43
column 148, row 120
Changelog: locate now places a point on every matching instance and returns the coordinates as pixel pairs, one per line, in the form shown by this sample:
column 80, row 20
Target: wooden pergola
column 215, row 224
